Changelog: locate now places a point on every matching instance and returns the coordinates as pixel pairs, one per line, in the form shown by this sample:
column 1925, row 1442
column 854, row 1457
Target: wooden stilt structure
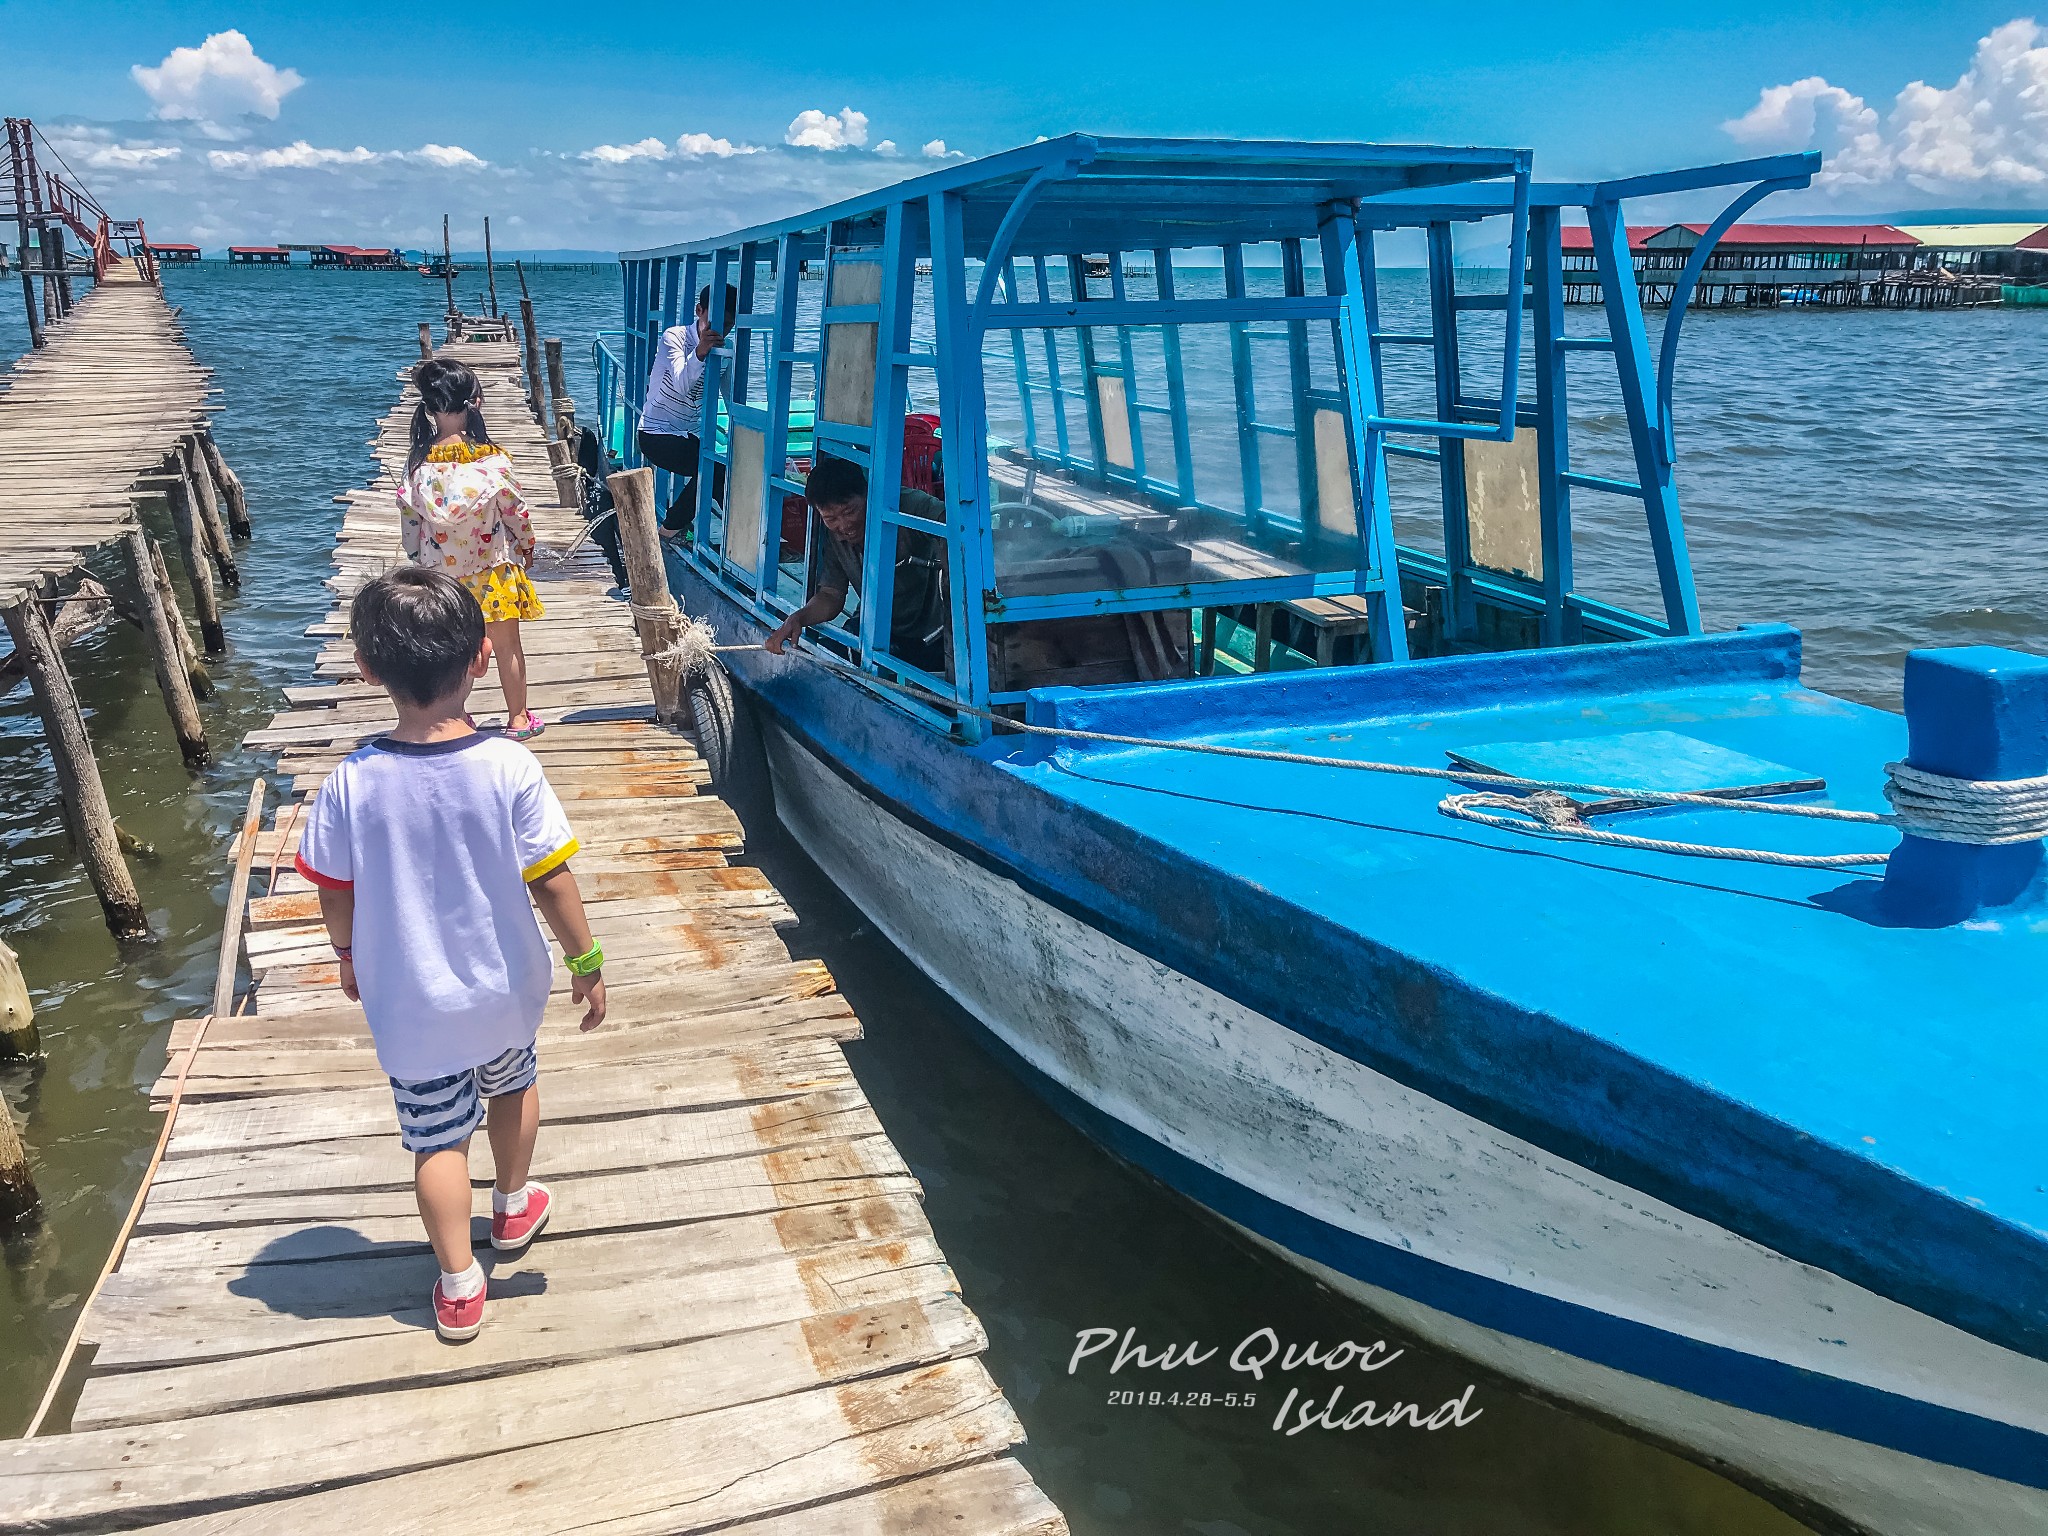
column 89, row 425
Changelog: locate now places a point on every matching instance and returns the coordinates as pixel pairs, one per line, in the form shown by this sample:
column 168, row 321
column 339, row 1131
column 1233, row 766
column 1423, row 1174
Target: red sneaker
column 509, row 1234
column 457, row 1321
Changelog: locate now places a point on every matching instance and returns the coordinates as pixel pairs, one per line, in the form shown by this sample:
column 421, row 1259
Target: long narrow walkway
column 739, row 1319
column 83, row 419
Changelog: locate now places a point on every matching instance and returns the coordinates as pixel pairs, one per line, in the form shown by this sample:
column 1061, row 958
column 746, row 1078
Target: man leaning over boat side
column 837, row 490
column 674, row 411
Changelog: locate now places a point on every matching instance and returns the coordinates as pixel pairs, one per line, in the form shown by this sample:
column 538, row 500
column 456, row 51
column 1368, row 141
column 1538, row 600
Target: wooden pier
column 738, row 1319
column 108, row 412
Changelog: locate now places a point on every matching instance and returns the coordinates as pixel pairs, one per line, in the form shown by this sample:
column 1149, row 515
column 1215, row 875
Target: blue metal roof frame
column 1404, row 207
column 1142, row 194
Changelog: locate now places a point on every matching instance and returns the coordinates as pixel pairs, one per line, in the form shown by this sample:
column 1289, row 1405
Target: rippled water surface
column 1869, row 477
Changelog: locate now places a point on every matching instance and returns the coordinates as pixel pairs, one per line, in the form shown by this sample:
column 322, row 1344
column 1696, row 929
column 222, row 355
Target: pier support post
column 86, row 811
column 173, row 680
column 56, row 238
column 426, row 342
column 1972, row 712
column 205, row 603
column 230, row 483
column 52, row 264
column 188, row 649
column 17, row 1185
column 655, row 613
column 18, row 1036
column 207, row 500
column 531, row 343
column 559, row 403
column 568, row 478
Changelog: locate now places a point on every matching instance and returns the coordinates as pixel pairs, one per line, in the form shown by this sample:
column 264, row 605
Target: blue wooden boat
column 1744, row 1155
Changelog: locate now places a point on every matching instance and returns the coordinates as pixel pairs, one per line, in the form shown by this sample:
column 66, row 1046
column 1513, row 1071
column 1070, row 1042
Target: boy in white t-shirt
column 425, row 846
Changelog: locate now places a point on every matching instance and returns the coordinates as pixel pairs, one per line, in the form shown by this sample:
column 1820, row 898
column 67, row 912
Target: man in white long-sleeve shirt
column 670, row 420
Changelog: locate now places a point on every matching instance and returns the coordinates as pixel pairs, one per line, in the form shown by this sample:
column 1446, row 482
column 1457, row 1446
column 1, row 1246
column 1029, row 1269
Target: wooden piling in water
column 655, row 614
column 49, row 257
column 198, row 570
column 233, row 496
column 207, row 503
column 86, row 810
column 17, row 1184
column 188, row 648
column 161, row 630
column 18, row 1036
column 529, row 335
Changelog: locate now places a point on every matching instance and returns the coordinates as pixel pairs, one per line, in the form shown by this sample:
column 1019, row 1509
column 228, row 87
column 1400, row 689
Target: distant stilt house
column 171, row 251
column 1766, row 265
column 259, row 256
column 358, row 258
column 2013, row 252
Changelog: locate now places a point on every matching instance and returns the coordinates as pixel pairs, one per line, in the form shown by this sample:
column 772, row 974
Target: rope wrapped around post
column 1983, row 812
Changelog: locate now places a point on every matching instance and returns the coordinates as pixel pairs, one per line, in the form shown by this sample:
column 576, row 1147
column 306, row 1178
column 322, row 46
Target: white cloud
column 1984, row 136
column 221, row 78
column 697, row 145
column 301, row 156
column 128, row 157
column 451, row 157
column 619, row 154
column 936, row 150
column 812, row 129
column 886, row 147
column 189, row 185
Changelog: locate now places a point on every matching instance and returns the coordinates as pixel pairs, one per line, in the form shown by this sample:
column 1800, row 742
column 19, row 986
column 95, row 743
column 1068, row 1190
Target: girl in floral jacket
column 460, row 512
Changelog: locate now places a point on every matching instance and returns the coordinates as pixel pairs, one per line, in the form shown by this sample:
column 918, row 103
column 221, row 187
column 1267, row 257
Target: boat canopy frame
column 1021, row 215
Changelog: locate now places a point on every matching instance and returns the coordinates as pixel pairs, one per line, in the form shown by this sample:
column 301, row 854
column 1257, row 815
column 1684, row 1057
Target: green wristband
column 585, row 964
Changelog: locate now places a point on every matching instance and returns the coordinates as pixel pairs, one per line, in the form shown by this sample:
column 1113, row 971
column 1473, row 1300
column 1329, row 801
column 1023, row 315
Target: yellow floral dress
column 461, row 512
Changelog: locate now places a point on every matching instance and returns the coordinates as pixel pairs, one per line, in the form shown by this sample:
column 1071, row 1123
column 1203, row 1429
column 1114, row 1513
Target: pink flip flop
column 533, row 727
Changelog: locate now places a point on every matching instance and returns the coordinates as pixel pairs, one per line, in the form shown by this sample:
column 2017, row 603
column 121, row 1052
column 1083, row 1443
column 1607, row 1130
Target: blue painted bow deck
column 1744, row 1041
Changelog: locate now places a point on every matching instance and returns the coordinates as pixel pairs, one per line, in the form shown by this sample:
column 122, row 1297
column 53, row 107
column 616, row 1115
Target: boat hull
column 1472, row 1239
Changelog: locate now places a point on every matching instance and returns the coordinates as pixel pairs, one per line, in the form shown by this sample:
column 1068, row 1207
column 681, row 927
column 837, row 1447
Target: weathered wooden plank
column 989, row 1498
column 567, row 1296
column 781, row 1070
column 194, row 1465
column 688, row 1474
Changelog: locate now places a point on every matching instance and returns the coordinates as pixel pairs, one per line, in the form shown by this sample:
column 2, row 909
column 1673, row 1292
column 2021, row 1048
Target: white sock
column 513, row 1204
column 464, row 1283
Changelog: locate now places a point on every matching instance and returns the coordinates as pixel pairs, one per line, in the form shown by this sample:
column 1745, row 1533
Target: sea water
column 1869, row 477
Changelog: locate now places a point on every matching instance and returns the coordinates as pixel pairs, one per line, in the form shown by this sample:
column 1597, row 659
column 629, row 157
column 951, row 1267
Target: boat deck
column 739, row 1318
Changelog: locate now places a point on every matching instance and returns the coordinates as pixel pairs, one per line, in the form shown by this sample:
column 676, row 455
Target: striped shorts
column 443, row 1112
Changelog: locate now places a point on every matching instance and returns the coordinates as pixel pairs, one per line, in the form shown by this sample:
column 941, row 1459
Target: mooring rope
column 1926, row 804
column 1986, row 812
